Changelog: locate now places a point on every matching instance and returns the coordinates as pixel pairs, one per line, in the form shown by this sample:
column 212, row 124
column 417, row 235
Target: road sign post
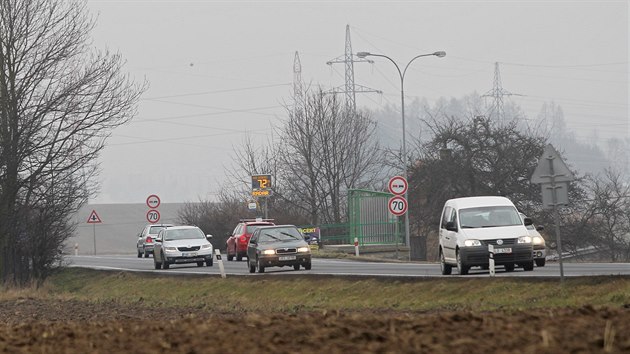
column 153, row 201
column 94, row 219
column 153, row 216
column 553, row 175
column 397, row 205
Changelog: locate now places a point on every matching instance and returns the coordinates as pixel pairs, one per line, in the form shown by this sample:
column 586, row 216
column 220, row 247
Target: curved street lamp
column 439, row 54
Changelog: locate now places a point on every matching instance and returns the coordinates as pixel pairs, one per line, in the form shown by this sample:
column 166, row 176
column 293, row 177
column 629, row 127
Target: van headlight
column 471, row 243
column 525, row 239
column 269, row 252
column 303, row 249
column 538, row 240
column 205, row 247
column 170, row 249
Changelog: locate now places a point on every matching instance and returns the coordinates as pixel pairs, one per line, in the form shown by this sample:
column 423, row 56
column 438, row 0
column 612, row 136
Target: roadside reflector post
column 356, row 246
column 76, row 249
column 491, row 259
column 220, row 261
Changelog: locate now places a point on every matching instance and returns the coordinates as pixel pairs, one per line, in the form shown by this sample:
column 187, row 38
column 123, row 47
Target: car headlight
column 170, row 249
column 269, row 252
column 303, row 249
column 525, row 239
column 205, row 247
column 538, row 240
column 471, row 243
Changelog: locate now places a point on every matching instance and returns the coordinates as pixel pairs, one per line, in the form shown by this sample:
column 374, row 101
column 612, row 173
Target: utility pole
column 350, row 88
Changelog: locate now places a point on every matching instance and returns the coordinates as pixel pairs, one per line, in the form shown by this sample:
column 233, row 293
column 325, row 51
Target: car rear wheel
column 261, row 268
column 296, row 267
column 445, row 268
column 146, row 254
column 139, row 254
column 540, row 262
column 239, row 257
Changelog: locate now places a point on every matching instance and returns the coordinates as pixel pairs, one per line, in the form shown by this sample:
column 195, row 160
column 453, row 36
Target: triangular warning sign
column 93, row 218
column 550, row 163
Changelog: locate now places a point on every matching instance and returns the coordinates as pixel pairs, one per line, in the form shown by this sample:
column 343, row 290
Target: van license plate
column 502, row 250
column 286, row 258
column 189, row 254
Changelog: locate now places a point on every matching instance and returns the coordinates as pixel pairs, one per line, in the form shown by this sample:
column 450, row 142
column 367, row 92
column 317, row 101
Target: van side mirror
column 528, row 221
column 540, row 228
column 450, row 226
column 208, row 236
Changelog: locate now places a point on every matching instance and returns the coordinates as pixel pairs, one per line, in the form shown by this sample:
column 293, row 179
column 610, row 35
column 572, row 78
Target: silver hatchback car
column 182, row 244
column 146, row 238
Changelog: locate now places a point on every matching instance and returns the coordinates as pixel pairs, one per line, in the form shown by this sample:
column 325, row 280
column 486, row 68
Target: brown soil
column 54, row 326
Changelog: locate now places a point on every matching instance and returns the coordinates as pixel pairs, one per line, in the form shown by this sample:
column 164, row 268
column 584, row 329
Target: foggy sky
column 220, row 71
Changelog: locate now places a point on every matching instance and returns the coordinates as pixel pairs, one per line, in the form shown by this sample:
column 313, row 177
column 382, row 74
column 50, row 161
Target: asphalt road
column 342, row 267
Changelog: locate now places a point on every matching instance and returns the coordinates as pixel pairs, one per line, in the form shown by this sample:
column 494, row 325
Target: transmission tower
column 298, row 87
column 350, row 88
column 497, row 92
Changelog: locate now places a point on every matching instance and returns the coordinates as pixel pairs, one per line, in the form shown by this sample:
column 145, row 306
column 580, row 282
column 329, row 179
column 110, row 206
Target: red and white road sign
column 397, row 185
column 397, row 205
column 153, row 201
column 153, row 216
column 94, row 218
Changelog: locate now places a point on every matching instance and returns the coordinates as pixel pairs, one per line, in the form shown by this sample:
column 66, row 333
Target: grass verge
column 315, row 293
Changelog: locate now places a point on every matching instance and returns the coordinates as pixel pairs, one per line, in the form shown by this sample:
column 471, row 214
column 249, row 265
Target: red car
column 238, row 239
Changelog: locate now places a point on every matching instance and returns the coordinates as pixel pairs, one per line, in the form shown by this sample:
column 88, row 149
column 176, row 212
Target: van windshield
column 490, row 216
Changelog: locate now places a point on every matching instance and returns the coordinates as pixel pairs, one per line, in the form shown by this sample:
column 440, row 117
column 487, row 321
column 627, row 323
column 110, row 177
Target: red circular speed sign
column 397, row 185
column 397, row 205
column 153, row 201
column 153, row 216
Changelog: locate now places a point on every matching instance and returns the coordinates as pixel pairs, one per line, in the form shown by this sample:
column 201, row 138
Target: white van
column 469, row 225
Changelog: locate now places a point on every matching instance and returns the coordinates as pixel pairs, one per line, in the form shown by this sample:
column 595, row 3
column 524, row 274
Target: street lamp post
column 439, row 54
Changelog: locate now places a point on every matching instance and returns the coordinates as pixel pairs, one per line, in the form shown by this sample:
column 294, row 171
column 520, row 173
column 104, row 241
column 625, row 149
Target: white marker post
column 220, row 261
column 76, row 249
column 491, row 259
column 356, row 246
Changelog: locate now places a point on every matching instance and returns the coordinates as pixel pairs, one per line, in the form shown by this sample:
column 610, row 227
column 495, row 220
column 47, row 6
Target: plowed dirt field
column 29, row 325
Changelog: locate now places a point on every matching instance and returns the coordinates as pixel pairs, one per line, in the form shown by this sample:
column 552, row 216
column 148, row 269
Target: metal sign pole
column 94, row 232
column 556, row 217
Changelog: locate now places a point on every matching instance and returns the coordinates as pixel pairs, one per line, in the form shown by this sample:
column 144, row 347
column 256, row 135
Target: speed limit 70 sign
column 153, row 216
column 397, row 205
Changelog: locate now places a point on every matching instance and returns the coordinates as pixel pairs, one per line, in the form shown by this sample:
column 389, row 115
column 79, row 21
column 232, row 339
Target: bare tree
column 59, row 101
column 610, row 215
column 324, row 150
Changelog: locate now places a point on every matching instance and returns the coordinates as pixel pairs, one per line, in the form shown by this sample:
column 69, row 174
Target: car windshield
column 280, row 234
column 491, row 216
column 252, row 228
column 183, row 234
column 156, row 229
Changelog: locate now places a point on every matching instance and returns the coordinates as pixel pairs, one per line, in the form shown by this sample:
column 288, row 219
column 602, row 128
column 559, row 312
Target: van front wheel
column 463, row 268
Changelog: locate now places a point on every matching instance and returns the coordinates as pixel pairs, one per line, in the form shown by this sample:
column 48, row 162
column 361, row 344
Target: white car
column 469, row 225
column 182, row 244
column 540, row 248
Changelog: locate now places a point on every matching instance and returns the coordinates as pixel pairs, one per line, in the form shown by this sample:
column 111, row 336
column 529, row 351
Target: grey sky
column 221, row 70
